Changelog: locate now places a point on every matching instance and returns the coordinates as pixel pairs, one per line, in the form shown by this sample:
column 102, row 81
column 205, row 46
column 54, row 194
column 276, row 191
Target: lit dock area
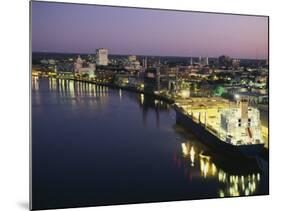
column 206, row 110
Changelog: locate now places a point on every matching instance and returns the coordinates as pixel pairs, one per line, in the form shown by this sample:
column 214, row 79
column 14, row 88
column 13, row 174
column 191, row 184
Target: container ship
column 228, row 128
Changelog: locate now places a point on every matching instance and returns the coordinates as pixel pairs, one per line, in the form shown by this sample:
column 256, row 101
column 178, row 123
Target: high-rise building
column 144, row 63
column 102, row 56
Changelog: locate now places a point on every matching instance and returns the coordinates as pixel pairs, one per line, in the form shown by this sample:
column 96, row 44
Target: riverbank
column 132, row 89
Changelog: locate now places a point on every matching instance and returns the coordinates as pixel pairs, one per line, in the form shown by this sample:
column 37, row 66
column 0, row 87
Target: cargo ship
column 231, row 130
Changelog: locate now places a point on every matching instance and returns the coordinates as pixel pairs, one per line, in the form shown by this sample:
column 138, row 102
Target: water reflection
column 35, row 83
column 120, row 94
column 230, row 183
column 86, row 103
column 52, row 84
column 141, row 98
column 35, row 87
column 72, row 90
column 150, row 104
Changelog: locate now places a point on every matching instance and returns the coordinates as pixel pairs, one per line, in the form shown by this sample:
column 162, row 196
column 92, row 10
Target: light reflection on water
column 231, row 184
column 35, row 83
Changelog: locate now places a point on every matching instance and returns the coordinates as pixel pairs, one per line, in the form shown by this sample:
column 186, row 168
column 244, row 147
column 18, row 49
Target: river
column 92, row 145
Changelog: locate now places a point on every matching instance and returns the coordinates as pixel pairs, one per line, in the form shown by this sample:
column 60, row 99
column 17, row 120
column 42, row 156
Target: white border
column 14, row 115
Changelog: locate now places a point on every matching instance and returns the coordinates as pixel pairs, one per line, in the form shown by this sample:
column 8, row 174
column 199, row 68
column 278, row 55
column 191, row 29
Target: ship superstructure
column 240, row 126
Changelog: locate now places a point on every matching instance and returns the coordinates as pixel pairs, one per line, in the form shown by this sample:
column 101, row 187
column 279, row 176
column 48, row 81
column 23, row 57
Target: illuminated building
column 102, row 56
column 78, row 64
column 90, row 70
column 52, row 61
column 81, row 68
column 254, row 97
column 132, row 58
column 132, row 64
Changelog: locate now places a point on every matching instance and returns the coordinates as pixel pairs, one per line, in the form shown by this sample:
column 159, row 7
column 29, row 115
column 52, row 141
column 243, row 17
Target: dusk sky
column 73, row 28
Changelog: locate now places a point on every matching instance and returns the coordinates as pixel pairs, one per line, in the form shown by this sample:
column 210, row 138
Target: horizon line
column 212, row 57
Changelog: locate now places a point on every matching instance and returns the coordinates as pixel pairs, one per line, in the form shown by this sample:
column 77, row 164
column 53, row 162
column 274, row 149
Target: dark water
column 95, row 146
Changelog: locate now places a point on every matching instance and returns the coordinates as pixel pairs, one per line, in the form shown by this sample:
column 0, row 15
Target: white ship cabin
column 240, row 125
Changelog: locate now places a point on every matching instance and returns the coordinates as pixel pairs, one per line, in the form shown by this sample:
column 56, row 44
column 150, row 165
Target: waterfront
column 93, row 145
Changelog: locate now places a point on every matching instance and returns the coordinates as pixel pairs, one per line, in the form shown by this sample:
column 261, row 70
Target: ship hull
column 232, row 151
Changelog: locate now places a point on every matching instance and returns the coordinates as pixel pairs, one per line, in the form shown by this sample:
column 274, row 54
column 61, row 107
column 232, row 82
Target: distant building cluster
column 180, row 77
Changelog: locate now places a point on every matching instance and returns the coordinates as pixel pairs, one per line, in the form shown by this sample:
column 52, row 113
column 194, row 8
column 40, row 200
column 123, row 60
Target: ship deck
column 206, row 111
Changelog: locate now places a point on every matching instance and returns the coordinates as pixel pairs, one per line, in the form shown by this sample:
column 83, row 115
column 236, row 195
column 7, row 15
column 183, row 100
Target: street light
column 237, row 98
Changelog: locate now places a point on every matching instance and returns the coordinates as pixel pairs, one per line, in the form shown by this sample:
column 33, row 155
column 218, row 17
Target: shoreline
column 132, row 89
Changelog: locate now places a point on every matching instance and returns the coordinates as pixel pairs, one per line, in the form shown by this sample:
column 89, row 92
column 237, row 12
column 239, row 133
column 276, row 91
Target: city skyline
column 75, row 28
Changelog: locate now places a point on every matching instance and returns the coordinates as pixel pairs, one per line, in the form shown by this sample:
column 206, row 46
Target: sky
column 75, row 28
